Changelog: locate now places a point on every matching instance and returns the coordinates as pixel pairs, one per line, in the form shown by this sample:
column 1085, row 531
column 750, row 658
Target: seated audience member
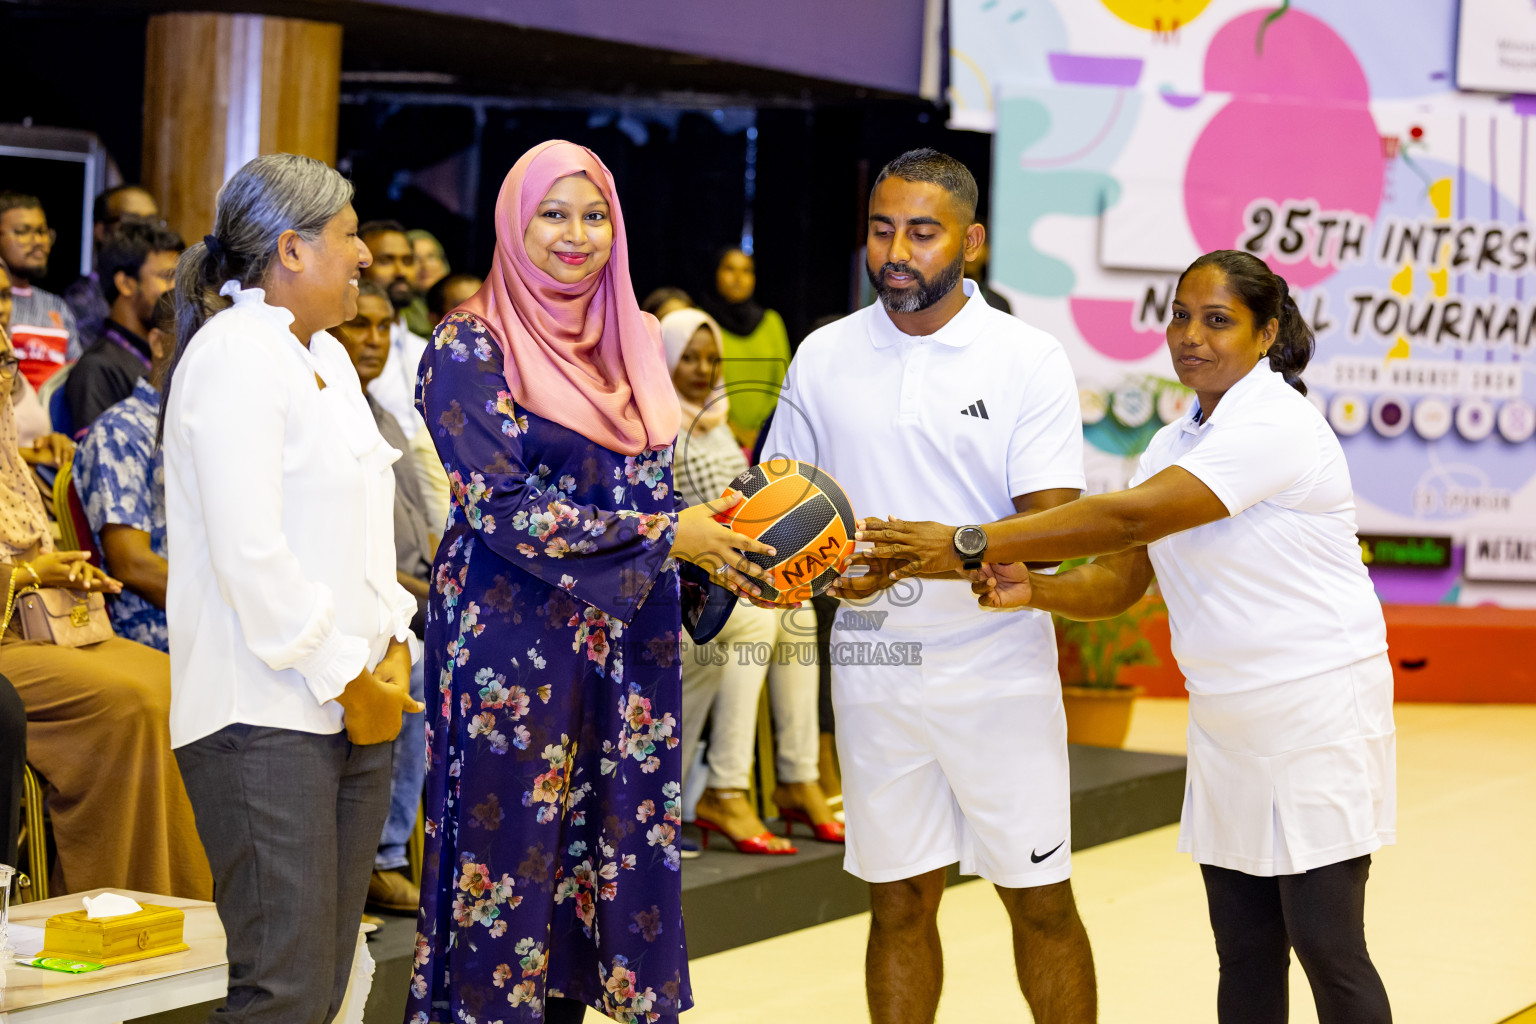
column 32, row 423
column 84, row 296
column 707, row 459
column 447, row 294
column 394, row 270
column 431, row 267
column 137, row 265
column 121, row 482
column 43, row 330
column 366, row 339
column 13, row 758
column 664, row 300
column 98, row 716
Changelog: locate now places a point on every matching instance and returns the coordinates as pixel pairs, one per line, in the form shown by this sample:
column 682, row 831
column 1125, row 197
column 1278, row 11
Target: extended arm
column 606, row 557
column 1096, row 590
column 1170, row 502
column 881, row 569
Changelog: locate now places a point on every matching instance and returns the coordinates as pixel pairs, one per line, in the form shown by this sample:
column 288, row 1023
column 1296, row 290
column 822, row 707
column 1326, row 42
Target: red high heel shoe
column 826, row 832
column 752, row 844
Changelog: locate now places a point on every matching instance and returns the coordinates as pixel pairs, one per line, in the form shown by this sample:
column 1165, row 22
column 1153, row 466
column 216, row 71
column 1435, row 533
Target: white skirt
column 1294, row 776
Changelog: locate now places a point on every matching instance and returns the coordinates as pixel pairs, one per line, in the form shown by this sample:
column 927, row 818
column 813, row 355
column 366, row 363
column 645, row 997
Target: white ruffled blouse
column 280, row 527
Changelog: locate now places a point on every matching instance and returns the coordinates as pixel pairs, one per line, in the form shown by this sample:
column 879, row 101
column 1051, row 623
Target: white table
column 198, row 974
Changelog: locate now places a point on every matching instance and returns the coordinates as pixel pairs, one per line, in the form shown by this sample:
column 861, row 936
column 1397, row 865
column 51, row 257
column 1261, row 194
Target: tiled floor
column 1451, row 917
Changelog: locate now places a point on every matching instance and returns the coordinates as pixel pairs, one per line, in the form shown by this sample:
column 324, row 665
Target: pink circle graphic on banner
column 1106, row 324
column 1298, row 128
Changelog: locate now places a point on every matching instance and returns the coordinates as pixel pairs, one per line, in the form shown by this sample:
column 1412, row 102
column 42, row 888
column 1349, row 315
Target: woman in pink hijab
column 553, row 797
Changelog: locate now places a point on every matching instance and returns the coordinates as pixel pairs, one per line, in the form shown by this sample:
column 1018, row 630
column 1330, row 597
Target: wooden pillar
column 221, row 89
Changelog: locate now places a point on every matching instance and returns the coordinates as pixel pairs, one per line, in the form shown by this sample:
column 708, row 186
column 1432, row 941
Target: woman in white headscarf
column 727, row 673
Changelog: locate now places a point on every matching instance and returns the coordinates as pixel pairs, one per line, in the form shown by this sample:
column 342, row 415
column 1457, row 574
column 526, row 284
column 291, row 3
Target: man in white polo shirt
column 931, row 405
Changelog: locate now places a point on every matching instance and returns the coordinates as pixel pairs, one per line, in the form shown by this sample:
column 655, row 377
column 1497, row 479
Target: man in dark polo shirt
column 137, row 265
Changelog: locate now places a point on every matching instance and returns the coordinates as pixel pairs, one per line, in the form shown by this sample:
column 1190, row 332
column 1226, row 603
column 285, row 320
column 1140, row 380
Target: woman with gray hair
column 290, row 638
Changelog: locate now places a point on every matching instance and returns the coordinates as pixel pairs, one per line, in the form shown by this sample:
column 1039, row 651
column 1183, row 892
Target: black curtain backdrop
column 681, row 175
column 437, row 162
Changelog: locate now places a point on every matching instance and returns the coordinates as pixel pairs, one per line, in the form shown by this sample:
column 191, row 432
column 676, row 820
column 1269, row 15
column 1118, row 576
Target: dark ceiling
column 402, row 49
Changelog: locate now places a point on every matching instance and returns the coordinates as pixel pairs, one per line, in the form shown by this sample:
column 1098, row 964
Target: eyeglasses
column 9, row 365
column 26, row 233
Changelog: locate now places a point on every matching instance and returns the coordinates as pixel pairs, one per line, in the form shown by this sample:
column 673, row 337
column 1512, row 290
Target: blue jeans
column 406, row 784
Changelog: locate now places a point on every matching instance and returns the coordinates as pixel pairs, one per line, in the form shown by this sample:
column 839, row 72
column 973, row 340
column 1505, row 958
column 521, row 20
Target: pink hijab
column 583, row 354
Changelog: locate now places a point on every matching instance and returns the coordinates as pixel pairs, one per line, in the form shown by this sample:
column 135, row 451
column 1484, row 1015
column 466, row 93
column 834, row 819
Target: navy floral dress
column 553, row 768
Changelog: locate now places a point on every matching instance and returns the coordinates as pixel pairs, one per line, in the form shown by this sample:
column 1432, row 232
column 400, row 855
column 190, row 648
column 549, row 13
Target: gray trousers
column 291, row 822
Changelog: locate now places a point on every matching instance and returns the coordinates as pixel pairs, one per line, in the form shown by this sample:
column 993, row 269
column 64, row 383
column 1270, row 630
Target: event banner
column 1329, row 139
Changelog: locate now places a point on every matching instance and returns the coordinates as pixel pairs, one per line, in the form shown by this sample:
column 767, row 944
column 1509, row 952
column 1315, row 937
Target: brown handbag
column 65, row 618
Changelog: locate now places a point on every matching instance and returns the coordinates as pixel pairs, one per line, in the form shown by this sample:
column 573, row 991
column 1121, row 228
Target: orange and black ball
column 805, row 516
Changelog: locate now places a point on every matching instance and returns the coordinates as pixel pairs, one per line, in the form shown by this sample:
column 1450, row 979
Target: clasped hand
column 899, row 550
column 374, row 702
column 719, row 550
column 70, row 570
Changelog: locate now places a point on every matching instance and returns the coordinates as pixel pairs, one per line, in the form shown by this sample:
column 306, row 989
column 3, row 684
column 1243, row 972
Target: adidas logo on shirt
column 977, row 408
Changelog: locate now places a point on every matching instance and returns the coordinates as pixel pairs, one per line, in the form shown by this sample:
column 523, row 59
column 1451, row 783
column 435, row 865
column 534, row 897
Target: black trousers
column 1321, row 915
column 13, row 758
column 826, row 611
column 291, row 823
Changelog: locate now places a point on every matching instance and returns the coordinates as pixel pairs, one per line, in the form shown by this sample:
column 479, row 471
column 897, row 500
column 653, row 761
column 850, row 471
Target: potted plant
column 1091, row 655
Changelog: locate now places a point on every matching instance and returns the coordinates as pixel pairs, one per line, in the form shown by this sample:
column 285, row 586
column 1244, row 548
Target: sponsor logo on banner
column 1506, row 556
column 1381, row 551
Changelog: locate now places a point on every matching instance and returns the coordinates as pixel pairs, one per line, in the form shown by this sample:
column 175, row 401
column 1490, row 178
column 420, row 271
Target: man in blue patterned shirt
column 121, row 482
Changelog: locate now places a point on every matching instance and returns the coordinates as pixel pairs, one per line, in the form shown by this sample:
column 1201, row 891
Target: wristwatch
column 971, row 543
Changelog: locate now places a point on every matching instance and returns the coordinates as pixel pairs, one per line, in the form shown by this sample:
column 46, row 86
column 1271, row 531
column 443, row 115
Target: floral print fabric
column 553, row 797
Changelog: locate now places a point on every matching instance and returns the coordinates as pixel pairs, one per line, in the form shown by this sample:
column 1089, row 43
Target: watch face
column 970, row 540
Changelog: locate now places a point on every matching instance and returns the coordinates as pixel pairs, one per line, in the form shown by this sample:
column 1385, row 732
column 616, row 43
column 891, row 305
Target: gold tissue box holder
column 153, row 931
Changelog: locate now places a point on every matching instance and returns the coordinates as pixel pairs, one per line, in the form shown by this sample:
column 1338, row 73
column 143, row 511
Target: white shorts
column 959, row 758
column 1294, row 776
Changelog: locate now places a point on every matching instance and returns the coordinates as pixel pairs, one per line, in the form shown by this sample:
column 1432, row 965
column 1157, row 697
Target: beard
column 401, row 293
column 924, row 291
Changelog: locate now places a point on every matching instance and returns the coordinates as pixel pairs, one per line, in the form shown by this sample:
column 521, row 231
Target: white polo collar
column 961, row 330
column 1253, row 380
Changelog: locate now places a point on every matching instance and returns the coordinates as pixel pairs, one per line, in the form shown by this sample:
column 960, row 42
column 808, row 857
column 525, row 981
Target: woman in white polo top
column 1244, row 510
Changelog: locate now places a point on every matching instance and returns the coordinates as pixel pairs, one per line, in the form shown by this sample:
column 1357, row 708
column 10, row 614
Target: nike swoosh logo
column 1036, row 858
